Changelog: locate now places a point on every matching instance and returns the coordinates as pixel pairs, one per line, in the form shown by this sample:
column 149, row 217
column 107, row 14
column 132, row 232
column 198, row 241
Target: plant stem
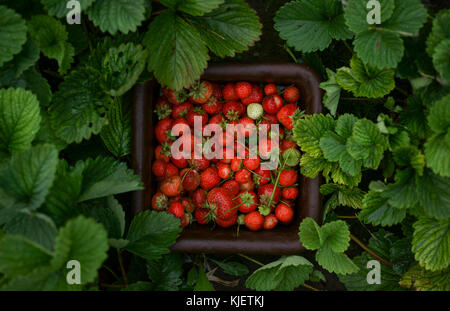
column 122, row 269
column 387, row 263
column 348, row 46
column 348, row 217
column 111, row 271
column 310, row 287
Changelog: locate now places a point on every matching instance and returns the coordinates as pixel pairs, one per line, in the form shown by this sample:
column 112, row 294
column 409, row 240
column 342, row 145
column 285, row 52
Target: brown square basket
column 200, row 238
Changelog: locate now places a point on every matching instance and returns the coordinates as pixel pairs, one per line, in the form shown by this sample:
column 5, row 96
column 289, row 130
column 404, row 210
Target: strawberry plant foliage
column 13, row 34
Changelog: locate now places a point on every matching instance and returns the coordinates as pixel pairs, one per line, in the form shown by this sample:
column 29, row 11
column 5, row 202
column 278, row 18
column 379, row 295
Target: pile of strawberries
column 227, row 191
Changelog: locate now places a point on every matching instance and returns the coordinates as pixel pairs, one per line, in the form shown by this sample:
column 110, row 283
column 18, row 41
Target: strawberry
column 288, row 177
column 291, row 94
column 242, row 176
column 187, row 204
column 272, row 104
column 270, row 118
column 254, row 221
column 243, row 89
column 233, row 110
column 270, row 89
column 171, row 186
column 185, row 220
column 236, row 164
column 247, row 186
column 175, row 97
column 221, row 203
column 284, row 213
column 255, row 111
column 180, row 120
column 261, row 176
column 162, row 152
column 265, row 191
column 255, row 97
column 199, row 164
column 265, row 147
column 202, row 215
column 161, row 130
column 212, row 106
column 176, row 209
column 201, row 92
column 174, row 199
column 180, row 163
column 163, row 108
column 197, row 112
column 224, row 170
column 159, row 167
column 191, row 179
column 160, row 201
column 248, row 127
column 289, row 193
column 216, row 119
column 285, row 114
column 247, row 201
column 217, row 91
column 232, row 186
column 252, row 163
column 270, row 222
column 228, row 222
column 287, row 144
column 229, row 93
column 181, row 110
column 171, row 170
column 198, row 198
column 209, row 178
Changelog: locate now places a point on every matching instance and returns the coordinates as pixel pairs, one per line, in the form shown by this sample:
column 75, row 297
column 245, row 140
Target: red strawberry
column 287, row 144
column 176, row 209
column 185, row 220
column 202, row 215
column 262, row 177
column 265, row 147
column 248, row 127
column 266, row 191
column 242, row 176
column 197, row 112
column 254, row 221
column 285, row 113
column 174, row 199
column 243, row 89
column 252, row 163
column 181, row 162
column 160, row 201
column 216, row 119
column 171, row 170
column 198, row 197
column 233, row 110
column 247, row 201
column 270, row 89
column 201, row 92
column 191, row 179
column 223, row 170
column 180, row 120
column 270, row 118
column 161, row 130
column 236, row 164
column 187, row 204
column 289, row 193
column 288, row 177
column 284, row 213
column 221, row 203
column 159, row 167
column 232, row 186
column 248, row 186
column 181, row 110
column 217, row 91
column 162, row 152
column 272, row 104
column 270, row 222
column 175, row 97
column 171, row 186
column 163, row 108
column 291, row 94
column 209, row 178
column 229, row 93
column 212, row 106
column 255, row 97
column 225, row 223
column 199, row 164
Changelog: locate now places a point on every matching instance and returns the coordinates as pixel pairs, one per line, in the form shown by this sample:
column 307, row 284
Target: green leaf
column 343, row 195
column 37, row 227
column 380, row 46
column 377, row 211
column 78, row 105
column 27, row 57
column 84, row 240
column 308, row 132
column 310, row 234
column 231, row 28
column 193, row 7
column 424, row 280
column 332, row 92
column 287, row 273
column 29, row 175
column 18, row 256
column 439, row 32
column 117, row 134
column 203, row 284
column 336, row 235
column 334, row 149
column 335, row 262
column 139, row 286
column 410, row 156
column 439, row 117
column 402, row 193
column 20, row 118
column 441, row 59
column 166, row 272
column 433, row 194
column 431, row 243
column 59, row 8
column 33, row 81
column 364, row 80
column 415, row 117
column 51, row 38
column 177, row 52
column 232, row 267
column 311, row 25
column 366, row 143
column 105, row 176
column 152, row 233
column 13, row 34
column 118, row 15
